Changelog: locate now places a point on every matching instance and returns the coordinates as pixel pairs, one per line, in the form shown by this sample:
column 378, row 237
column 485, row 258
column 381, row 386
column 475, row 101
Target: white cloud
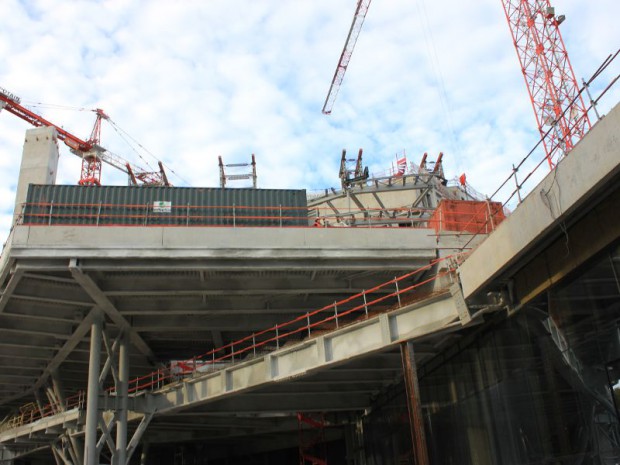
column 196, row 79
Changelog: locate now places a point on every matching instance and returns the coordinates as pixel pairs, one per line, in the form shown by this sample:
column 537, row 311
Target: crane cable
column 121, row 133
column 54, row 106
column 433, row 57
column 125, row 136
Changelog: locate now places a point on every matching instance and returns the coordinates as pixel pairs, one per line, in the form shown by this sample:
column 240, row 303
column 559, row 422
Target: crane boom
column 549, row 77
column 91, row 153
column 11, row 103
column 345, row 56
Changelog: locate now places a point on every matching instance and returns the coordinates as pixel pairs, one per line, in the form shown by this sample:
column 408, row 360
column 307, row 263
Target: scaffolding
column 224, row 177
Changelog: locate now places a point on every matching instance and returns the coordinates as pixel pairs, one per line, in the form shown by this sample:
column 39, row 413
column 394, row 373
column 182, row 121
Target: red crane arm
column 91, row 161
column 11, row 104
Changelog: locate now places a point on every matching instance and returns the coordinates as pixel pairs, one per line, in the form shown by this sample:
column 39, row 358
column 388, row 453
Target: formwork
column 467, row 216
column 165, row 206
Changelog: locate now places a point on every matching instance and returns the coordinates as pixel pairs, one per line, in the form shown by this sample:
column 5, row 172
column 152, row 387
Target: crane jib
column 9, row 95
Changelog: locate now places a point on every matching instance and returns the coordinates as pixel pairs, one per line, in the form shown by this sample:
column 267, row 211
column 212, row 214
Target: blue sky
column 193, row 80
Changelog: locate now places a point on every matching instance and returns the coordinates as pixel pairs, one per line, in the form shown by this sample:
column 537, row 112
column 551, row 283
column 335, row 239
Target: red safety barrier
column 476, row 217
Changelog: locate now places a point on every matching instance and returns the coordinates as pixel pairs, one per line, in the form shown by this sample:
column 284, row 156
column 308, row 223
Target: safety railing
column 459, row 218
column 527, row 173
column 106, row 214
column 390, row 295
column 393, row 294
column 31, row 412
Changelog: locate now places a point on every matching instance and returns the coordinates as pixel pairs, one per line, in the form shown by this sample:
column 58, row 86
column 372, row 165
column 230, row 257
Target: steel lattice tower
column 548, row 74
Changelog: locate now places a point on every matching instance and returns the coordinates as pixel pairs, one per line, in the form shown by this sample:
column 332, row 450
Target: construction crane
column 561, row 114
column 559, row 108
column 91, row 153
column 345, row 56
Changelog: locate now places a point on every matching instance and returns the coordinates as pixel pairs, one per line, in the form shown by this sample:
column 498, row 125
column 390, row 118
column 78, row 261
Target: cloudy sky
column 190, row 80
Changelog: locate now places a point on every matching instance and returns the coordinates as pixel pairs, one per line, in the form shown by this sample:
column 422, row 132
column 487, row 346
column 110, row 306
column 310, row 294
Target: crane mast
column 91, row 153
column 345, row 56
column 554, row 93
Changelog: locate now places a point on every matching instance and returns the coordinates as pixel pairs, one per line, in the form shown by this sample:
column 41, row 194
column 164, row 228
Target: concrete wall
column 39, row 162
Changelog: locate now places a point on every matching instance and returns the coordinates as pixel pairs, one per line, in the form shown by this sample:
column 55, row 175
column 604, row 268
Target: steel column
column 92, row 413
column 122, row 394
column 416, row 422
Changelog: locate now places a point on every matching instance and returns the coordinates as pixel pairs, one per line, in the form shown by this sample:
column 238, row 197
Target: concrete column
column 416, row 422
column 59, row 391
column 92, row 399
column 120, row 454
column 354, row 443
column 39, row 162
column 144, row 453
column 39, row 400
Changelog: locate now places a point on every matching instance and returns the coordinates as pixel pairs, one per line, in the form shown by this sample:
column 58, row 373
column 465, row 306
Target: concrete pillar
column 92, row 397
column 59, row 391
column 416, row 422
column 144, row 453
column 39, row 400
column 122, row 394
column 39, row 162
column 354, row 443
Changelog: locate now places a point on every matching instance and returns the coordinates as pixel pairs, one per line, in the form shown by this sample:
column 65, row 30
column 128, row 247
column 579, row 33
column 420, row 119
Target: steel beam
column 104, row 303
column 7, row 292
column 414, row 405
column 69, row 345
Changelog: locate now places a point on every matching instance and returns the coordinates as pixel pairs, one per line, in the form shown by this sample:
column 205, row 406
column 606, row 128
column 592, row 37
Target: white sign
column 160, row 206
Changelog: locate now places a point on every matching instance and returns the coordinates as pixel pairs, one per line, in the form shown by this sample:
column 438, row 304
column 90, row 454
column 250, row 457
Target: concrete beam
column 375, row 334
column 69, row 416
column 228, row 245
column 596, row 231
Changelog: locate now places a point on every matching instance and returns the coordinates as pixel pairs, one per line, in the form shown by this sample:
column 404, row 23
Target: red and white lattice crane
column 553, row 89
column 91, row 153
column 561, row 114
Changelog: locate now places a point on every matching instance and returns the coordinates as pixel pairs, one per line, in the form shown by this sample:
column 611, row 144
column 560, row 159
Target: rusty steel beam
column 414, row 406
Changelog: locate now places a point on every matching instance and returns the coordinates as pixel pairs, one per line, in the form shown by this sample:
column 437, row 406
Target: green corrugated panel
column 125, row 205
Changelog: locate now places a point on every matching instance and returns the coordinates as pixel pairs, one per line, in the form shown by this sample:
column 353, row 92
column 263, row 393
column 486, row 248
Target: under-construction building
column 219, row 326
column 398, row 319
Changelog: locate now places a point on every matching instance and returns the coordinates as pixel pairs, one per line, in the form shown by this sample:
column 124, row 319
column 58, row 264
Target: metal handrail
column 132, row 215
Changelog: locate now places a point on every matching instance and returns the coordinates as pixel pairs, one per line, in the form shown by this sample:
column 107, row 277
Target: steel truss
column 561, row 114
column 102, row 423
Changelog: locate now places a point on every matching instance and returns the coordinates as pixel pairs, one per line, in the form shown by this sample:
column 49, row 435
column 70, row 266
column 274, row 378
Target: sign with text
column 161, row 206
